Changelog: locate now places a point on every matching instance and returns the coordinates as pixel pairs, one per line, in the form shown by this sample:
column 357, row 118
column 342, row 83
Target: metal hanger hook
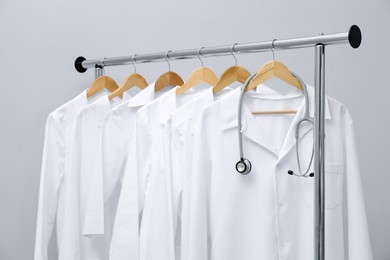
column 199, row 54
column 232, row 53
column 102, row 61
column 273, row 49
column 133, row 62
column 167, row 59
column 100, row 69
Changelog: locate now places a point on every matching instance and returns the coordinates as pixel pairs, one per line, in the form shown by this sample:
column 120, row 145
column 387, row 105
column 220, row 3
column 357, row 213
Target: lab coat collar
column 80, row 101
column 186, row 112
column 143, row 97
column 229, row 112
column 104, row 105
column 75, row 105
column 311, row 94
column 269, row 93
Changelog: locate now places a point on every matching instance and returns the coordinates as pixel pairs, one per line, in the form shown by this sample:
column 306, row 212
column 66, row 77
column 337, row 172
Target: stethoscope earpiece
column 243, row 166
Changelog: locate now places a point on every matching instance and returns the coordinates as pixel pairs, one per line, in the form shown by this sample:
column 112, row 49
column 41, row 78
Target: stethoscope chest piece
column 243, row 166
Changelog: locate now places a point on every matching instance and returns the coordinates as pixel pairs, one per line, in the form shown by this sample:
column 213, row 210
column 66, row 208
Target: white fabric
column 117, row 130
column 175, row 159
column 146, row 178
column 138, row 189
column 116, row 142
column 58, row 131
column 268, row 214
column 86, row 215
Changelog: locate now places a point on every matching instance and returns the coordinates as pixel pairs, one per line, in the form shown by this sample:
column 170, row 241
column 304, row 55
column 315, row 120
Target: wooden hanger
column 103, row 82
column 134, row 80
column 273, row 69
column 202, row 74
column 168, row 78
column 232, row 74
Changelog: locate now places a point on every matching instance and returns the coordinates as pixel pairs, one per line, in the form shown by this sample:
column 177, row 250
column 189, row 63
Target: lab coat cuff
column 93, row 224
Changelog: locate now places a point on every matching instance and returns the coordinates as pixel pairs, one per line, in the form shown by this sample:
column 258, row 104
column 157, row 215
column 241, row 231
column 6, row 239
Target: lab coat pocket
column 333, row 185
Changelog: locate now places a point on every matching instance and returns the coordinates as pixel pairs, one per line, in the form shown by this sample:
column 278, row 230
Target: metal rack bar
column 353, row 37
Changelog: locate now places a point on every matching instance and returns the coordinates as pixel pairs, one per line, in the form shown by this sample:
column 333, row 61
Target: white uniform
column 174, row 160
column 117, row 130
column 87, row 217
column 139, row 185
column 58, row 131
column 268, row 214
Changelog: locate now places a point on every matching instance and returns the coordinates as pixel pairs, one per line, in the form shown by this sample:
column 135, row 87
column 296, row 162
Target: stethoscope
column 244, row 166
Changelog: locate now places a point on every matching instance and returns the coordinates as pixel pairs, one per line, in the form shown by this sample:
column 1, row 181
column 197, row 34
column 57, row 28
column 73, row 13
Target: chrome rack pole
column 353, row 37
column 319, row 153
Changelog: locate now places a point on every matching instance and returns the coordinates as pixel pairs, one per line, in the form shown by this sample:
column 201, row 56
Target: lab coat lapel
column 289, row 141
column 146, row 95
column 249, row 126
column 253, row 131
column 306, row 127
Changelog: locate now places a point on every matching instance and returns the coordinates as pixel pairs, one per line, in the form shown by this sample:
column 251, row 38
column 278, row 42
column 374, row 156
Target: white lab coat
column 87, row 217
column 58, row 131
column 117, row 133
column 138, row 196
column 117, row 130
column 174, row 162
column 268, row 214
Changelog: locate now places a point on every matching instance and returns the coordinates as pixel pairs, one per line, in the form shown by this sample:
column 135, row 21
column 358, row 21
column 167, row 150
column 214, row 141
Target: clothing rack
column 353, row 37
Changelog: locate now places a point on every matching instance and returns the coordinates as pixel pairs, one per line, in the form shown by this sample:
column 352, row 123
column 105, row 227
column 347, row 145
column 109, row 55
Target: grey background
column 40, row 40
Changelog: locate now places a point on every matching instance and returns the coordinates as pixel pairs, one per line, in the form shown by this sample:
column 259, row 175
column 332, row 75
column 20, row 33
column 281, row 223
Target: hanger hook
column 102, row 61
column 273, row 49
column 199, row 54
column 232, row 53
column 101, row 68
column 167, row 59
column 133, row 62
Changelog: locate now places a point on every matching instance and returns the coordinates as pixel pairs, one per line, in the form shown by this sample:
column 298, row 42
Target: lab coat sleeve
column 93, row 222
column 70, row 244
column 358, row 235
column 198, row 242
column 52, row 172
column 125, row 240
column 157, row 229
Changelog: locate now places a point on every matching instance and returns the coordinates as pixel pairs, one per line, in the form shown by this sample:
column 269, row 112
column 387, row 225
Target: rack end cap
column 78, row 64
column 355, row 36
